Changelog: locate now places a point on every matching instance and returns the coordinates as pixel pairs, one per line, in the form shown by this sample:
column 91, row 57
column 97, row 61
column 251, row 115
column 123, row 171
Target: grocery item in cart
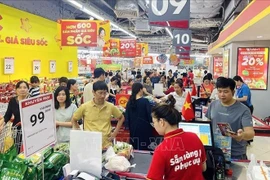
column 123, row 149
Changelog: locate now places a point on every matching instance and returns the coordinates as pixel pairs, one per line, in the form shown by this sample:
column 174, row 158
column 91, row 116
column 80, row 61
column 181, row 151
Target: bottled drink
column 220, row 171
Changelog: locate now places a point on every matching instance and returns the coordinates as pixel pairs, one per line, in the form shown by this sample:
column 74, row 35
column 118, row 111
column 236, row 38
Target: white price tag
column 9, row 65
column 38, row 123
column 52, row 66
column 36, row 67
column 70, row 66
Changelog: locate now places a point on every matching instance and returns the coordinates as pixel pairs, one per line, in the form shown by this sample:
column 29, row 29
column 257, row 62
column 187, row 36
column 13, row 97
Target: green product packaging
column 20, row 167
column 47, row 152
column 31, row 173
column 56, row 160
column 11, row 174
column 10, row 154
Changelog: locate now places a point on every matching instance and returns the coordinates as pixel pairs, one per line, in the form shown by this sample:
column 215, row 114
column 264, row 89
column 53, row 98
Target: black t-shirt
column 13, row 109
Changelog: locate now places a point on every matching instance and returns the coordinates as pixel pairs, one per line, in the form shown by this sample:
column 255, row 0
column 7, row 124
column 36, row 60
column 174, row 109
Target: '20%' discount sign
column 127, row 47
column 38, row 123
column 253, row 66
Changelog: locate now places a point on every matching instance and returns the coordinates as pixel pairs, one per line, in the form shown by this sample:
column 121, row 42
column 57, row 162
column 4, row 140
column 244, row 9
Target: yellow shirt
column 98, row 119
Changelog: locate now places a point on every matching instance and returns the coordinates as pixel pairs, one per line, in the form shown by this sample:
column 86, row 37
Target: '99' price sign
column 38, row 123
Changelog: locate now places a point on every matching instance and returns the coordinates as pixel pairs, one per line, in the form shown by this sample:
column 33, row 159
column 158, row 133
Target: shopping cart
column 9, row 136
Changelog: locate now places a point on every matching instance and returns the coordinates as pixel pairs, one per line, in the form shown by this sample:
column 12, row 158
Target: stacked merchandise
column 18, row 167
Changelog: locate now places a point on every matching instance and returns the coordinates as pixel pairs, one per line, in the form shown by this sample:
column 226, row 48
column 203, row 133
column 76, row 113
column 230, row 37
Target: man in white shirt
column 99, row 75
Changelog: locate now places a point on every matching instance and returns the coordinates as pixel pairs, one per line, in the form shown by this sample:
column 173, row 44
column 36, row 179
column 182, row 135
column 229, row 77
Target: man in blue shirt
column 243, row 93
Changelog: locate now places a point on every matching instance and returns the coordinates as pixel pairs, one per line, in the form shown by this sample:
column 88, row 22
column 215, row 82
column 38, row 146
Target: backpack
column 212, row 155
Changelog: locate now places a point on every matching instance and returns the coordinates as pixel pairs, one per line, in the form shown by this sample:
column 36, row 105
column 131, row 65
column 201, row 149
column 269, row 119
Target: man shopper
column 97, row 115
column 99, row 75
column 228, row 110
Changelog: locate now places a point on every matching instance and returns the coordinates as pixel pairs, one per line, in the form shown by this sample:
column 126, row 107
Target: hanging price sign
column 36, row 67
column 127, row 47
column 38, row 123
column 70, row 66
column 253, row 66
column 218, row 66
column 52, row 66
column 9, row 65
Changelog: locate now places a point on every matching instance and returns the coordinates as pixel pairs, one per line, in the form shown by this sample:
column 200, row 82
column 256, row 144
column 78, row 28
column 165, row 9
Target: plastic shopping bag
column 118, row 163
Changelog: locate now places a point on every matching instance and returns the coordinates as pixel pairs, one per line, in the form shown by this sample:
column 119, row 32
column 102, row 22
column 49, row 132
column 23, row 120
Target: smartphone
column 226, row 129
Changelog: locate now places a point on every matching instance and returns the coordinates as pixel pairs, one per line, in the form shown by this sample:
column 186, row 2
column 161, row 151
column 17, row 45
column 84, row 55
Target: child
column 34, row 90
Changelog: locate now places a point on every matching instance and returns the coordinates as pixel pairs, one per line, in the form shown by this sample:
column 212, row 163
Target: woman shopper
column 243, row 93
column 147, row 84
column 175, row 158
column 138, row 119
column 64, row 110
column 170, row 78
column 178, row 94
column 113, row 89
column 73, row 90
column 206, row 88
column 22, row 91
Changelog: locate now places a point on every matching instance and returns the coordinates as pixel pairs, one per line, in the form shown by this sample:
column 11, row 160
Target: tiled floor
column 260, row 147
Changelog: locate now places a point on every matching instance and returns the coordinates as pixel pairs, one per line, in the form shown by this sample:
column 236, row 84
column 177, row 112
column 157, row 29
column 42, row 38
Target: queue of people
column 145, row 122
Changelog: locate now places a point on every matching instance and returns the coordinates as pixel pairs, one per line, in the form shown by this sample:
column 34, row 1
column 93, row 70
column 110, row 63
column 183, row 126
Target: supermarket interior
column 134, row 89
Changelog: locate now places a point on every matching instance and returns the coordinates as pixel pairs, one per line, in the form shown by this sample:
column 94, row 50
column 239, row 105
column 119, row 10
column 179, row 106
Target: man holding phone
column 228, row 110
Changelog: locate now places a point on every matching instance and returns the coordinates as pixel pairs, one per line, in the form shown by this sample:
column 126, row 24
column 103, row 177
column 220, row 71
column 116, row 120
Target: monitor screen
column 203, row 131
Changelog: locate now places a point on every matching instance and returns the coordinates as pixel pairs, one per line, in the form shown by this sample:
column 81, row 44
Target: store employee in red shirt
column 181, row 156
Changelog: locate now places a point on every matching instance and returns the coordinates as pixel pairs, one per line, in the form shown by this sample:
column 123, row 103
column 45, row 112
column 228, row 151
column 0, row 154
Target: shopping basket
column 9, row 136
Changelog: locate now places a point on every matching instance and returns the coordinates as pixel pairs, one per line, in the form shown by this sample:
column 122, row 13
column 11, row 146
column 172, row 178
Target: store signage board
column 171, row 13
column 182, row 38
column 148, row 60
column 86, row 33
column 127, row 47
column 70, row 66
column 38, row 123
column 185, row 55
column 252, row 66
column 9, row 65
column 226, row 63
column 182, row 49
column 36, row 66
column 141, row 49
column 218, row 66
column 52, row 66
column 78, row 33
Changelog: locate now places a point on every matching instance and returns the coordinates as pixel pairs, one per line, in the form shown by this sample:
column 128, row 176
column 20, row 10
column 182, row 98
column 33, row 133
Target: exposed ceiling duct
column 205, row 8
column 126, row 9
column 204, row 23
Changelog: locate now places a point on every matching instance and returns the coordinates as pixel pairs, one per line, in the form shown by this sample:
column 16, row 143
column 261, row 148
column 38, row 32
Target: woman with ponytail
column 181, row 155
column 138, row 119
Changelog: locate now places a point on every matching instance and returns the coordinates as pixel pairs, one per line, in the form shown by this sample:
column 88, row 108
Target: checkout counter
column 142, row 159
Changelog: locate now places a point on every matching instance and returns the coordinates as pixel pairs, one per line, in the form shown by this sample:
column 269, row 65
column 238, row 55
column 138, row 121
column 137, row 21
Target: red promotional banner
column 218, row 67
column 78, row 33
column 122, row 99
column 148, row 60
column 141, row 49
column 252, row 66
column 127, row 47
column 113, row 49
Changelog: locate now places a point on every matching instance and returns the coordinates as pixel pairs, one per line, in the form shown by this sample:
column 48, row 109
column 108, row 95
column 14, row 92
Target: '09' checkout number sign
column 38, row 123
